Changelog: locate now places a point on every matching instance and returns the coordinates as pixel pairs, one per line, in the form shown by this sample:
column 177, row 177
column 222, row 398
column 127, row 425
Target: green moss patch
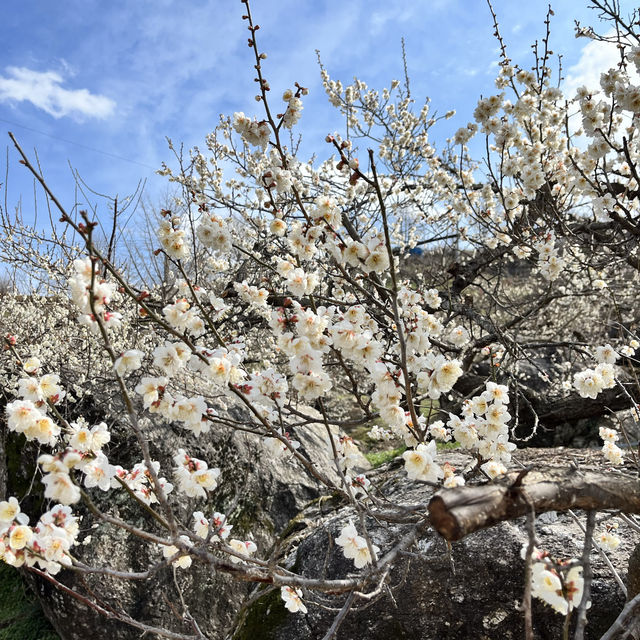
column 21, row 617
column 377, row 458
column 263, row 618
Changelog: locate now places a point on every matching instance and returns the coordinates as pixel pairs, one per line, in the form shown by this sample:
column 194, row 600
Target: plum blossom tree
column 296, row 296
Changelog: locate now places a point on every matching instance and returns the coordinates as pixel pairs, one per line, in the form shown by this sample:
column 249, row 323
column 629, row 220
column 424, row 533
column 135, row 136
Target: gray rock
column 259, row 495
column 471, row 590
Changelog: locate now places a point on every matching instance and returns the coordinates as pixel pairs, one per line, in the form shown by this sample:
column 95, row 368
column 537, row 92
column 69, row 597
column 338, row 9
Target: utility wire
column 77, row 144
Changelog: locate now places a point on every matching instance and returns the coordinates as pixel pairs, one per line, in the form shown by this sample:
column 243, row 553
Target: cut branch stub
column 455, row 513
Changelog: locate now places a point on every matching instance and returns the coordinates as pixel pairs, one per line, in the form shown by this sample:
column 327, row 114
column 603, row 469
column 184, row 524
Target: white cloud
column 596, row 58
column 44, row 90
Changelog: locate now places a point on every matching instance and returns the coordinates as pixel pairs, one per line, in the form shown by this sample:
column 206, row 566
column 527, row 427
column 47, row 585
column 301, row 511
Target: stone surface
column 471, row 590
column 260, row 496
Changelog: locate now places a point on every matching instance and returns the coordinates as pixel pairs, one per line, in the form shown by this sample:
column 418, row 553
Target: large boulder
column 471, row 589
column 259, row 495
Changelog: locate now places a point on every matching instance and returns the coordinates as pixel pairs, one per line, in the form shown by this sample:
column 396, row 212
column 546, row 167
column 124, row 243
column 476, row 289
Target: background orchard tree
column 411, row 292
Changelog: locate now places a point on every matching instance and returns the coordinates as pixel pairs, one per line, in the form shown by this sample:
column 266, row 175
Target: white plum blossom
column 215, row 529
column 458, row 336
column 23, row 416
column 194, row 476
column 588, row 383
column 173, row 238
column 170, row 551
column 139, row 481
column 606, row 354
column 255, row 133
column 61, row 488
column 10, row 511
column 558, row 587
column 420, row 464
column 493, row 468
column 88, row 439
column 151, row 389
column 32, row 364
column 130, row 360
column 607, row 538
column 292, row 598
column 244, row 548
column 355, row 546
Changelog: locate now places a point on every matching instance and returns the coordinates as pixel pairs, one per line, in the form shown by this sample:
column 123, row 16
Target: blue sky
column 99, row 85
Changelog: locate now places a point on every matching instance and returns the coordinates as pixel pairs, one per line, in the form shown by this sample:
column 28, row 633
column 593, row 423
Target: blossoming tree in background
column 294, row 294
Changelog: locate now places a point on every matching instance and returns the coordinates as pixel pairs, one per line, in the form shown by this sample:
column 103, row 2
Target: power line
column 77, row 144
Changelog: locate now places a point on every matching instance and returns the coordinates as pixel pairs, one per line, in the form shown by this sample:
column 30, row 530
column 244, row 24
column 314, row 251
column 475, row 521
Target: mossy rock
column 263, row 619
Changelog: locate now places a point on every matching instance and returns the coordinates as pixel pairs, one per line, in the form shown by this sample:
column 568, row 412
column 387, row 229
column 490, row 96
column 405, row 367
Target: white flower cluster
column 628, row 350
column 304, row 350
column 359, row 485
column 419, row 463
column 194, row 476
column 387, row 398
column 88, row 442
column 41, row 390
column 294, row 109
column 59, row 485
column 225, row 364
column 326, row 211
column 180, row 558
column 140, row 482
column 215, row 529
column 88, row 439
column 98, row 471
column 616, row 83
column 302, row 241
column 171, row 357
column 347, row 451
column 81, row 282
column 292, row 598
column 128, row 361
column 85, row 443
column 218, row 369
column 438, row 374
column 243, row 547
column 267, row 388
column 458, row 336
column 298, row 282
column 47, row 544
column 274, row 175
column 352, row 334
column 29, row 415
column 255, row 133
column 376, row 256
column 355, row 546
column 550, row 263
column 607, row 538
column 590, row 382
column 484, row 428
column 180, row 315
column 612, row 452
column 214, row 233
column 173, row 238
column 267, row 391
column 464, row 134
column 277, row 447
column 558, row 584
column 255, row 297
